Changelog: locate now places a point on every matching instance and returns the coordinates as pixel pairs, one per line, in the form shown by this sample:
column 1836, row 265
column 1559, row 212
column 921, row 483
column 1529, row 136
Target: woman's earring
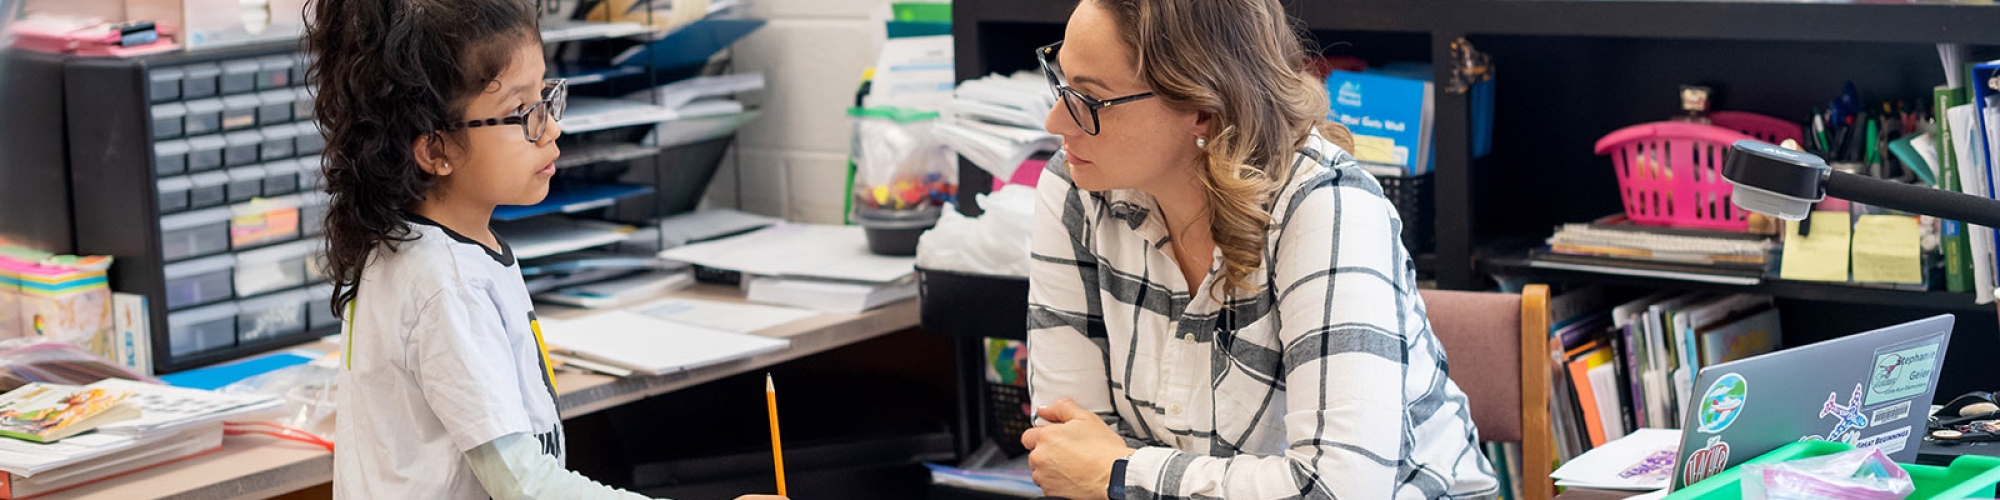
column 1200, row 142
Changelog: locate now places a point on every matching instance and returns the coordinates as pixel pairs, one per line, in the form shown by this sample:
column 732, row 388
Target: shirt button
column 1175, row 410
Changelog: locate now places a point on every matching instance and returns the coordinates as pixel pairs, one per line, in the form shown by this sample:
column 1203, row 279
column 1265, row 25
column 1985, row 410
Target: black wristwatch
column 1116, row 489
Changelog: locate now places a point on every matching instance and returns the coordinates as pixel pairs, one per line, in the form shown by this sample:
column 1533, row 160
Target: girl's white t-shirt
column 441, row 354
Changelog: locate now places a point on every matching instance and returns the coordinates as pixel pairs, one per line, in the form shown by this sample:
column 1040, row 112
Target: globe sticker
column 1722, row 403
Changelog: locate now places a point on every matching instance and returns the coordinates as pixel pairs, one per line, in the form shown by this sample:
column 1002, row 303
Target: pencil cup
column 895, row 231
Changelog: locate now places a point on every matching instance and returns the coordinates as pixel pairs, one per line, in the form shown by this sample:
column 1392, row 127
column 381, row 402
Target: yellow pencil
column 777, row 445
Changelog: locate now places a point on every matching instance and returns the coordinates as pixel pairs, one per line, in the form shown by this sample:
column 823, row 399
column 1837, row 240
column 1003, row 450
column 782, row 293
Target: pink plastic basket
column 1670, row 174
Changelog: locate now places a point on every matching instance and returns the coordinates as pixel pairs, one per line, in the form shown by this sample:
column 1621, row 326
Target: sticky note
column 1887, row 249
column 1821, row 256
column 1374, row 149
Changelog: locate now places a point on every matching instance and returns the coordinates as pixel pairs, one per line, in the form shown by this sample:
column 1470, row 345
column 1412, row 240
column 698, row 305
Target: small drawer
column 310, row 141
column 312, row 217
column 302, row 103
column 200, row 281
column 201, row 330
column 263, row 222
column 271, row 317
column 200, row 80
column 204, row 116
column 240, row 112
column 278, row 142
column 239, row 76
column 245, row 183
column 275, row 72
column 240, row 148
column 194, row 234
column 312, row 175
column 170, row 157
column 209, row 189
column 275, row 107
column 319, row 308
column 205, row 153
column 302, row 63
column 270, row 269
column 316, row 266
column 165, row 84
column 281, row 177
column 174, row 194
column 169, row 120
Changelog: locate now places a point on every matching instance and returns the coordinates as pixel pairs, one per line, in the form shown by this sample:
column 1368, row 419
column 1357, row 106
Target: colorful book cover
column 45, row 413
column 1390, row 117
column 1957, row 246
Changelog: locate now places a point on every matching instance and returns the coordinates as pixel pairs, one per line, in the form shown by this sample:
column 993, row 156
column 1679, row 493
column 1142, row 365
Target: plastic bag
column 1864, row 474
column 899, row 162
column 307, row 390
column 996, row 243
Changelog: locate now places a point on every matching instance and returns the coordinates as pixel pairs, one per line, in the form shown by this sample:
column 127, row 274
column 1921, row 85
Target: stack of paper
column 1614, row 245
column 643, row 344
column 166, row 409
column 827, row 268
column 115, row 460
column 1642, row 461
column 997, row 121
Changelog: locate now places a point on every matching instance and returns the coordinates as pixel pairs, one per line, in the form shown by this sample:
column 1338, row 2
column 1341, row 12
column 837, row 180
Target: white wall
column 794, row 157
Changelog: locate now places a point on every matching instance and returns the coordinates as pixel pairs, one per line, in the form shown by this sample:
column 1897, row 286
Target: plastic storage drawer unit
column 276, row 315
column 200, row 281
column 271, row 269
column 204, row 329
column 194, row 234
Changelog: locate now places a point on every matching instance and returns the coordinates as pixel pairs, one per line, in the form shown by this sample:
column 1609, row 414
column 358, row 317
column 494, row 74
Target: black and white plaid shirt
column 1327, row 383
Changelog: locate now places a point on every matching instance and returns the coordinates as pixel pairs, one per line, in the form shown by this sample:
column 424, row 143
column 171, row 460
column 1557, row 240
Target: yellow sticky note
column 1821, row 256
column 1887, row 249
column 1374, row 149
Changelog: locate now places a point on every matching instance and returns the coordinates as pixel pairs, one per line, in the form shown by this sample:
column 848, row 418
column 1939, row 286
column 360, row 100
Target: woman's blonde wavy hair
column 1240, row 62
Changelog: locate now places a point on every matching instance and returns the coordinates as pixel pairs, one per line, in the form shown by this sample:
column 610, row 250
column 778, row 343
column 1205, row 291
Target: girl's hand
column 1072, row 457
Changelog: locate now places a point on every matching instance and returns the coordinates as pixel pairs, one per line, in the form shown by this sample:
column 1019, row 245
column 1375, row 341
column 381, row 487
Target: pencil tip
column 768, row 386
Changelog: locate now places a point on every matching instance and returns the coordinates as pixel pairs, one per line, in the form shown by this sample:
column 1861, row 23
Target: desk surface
column 257, row 468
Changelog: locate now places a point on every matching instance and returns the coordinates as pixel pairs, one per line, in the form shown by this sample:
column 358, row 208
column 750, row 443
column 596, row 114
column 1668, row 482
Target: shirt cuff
column 1147, row 466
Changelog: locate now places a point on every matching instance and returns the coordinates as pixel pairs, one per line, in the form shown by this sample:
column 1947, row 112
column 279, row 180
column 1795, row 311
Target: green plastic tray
column 1967, row 477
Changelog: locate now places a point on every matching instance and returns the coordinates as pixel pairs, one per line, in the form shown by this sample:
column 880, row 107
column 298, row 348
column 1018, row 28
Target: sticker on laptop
column 1722, row 403
column 1902, row 374
column 1889, row 442
column 1884, row 415
column 1707, row 461
column 1849, row 420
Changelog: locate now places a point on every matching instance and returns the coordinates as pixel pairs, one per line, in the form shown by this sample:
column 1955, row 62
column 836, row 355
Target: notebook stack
column 1614, row 245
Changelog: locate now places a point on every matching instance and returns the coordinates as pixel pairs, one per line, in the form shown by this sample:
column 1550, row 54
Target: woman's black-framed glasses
column 534, row 119
column 1079, row 105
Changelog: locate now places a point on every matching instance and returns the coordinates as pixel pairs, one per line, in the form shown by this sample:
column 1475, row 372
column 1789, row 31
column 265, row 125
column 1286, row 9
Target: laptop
column 1871, row 390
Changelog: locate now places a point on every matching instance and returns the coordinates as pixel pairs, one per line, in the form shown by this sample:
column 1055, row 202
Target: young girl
column 436, row 111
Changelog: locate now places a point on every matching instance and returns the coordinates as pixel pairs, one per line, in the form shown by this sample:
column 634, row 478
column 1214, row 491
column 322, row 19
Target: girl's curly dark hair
column 389, row 72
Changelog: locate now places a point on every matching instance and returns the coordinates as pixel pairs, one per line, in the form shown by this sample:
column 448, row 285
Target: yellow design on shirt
column 547, row 368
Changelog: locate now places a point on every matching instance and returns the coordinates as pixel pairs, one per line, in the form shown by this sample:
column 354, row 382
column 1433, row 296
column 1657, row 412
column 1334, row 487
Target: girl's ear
column 428, row 150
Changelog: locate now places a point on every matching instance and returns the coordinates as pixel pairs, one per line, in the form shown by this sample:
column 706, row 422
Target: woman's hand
column 1071, row 458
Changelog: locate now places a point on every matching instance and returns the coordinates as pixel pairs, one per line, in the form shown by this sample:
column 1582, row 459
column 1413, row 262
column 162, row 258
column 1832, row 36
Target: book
column 132, row 338
column 1957, row 248
column 1741, row 336
column 1969, row 149
column 1581, row 368
column 181, row 445
column 1390, row 113
column 852, row 297
column 46, row 413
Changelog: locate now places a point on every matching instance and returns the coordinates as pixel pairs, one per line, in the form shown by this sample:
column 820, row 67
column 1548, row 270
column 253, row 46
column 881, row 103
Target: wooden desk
column 258, row 468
